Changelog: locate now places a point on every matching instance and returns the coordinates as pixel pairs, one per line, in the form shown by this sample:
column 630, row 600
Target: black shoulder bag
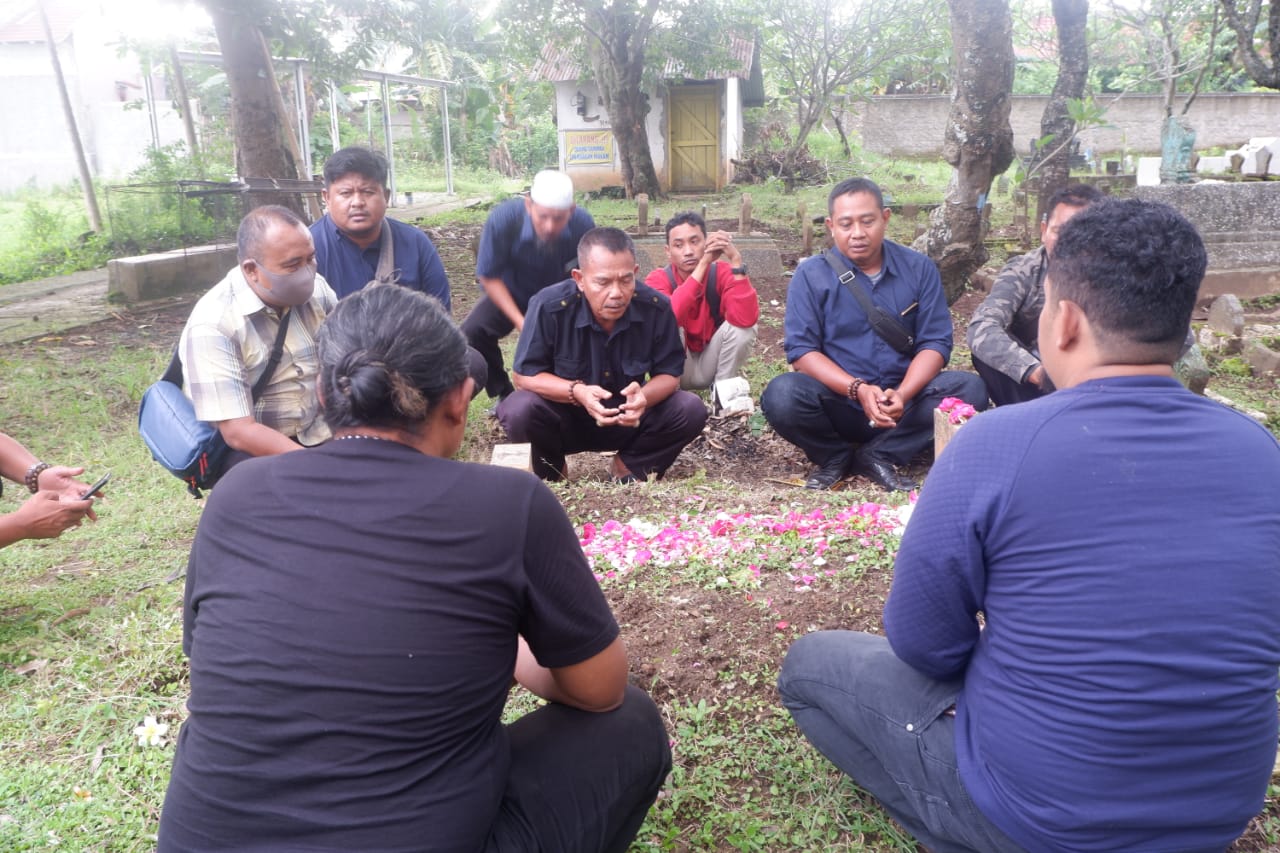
column 887, row 326
column 713, row 294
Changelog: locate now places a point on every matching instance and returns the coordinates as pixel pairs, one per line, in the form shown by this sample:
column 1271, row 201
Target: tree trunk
column 265, row 143
column 978, row 141
column 69, row 113
column 617, row 62
column 1071, row 17
column 188, row 121
column 1263, row 67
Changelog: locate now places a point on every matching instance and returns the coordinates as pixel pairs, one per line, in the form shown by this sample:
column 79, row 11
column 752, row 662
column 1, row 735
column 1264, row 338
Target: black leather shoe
column 882, row 472
column 829, row 473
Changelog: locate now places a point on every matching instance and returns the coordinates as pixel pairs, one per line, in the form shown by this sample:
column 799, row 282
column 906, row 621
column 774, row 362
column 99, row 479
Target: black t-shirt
column 351, row 620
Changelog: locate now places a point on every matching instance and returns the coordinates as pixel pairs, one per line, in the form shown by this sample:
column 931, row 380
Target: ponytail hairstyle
column 388, row 355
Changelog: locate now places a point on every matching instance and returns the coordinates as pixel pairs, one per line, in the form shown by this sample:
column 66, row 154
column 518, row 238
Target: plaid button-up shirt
column 226, row 345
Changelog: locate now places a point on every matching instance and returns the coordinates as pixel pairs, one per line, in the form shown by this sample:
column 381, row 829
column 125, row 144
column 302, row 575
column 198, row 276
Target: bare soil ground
column 686, row 644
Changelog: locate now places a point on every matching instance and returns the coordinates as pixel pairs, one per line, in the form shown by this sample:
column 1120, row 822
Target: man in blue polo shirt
column 351, row 238
column 527, row 244
column 851, row 386
column 598, row 367
column 1084, row 626
column 356, row 242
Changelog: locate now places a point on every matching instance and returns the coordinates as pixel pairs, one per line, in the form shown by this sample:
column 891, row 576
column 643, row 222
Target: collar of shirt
column 583, row 318
column 243, row 296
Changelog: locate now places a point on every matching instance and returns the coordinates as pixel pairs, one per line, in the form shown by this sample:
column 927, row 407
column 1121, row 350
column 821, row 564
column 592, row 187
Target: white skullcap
column 552, row 189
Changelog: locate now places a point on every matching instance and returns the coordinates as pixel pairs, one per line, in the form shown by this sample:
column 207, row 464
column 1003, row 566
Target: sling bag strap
column 713, row 293
column 173, row 373
column 887, row 326
column 386, row 272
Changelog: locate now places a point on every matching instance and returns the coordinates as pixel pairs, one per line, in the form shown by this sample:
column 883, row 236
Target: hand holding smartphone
column 96, row 487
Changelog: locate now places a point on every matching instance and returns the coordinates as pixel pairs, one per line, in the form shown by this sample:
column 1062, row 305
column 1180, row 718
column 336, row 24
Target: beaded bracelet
column 33, row 476
column 854, row 385
column 573, row 385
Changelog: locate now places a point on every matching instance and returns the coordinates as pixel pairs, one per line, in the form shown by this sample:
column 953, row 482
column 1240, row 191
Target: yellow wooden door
column 695, row 138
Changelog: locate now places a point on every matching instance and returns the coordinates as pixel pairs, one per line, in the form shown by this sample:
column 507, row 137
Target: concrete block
column 759, row 253
column 518, row 456
column 1262, row 359
column 1213, row 165
column 1148, row 171
column 168, row 273
column 1226, row 316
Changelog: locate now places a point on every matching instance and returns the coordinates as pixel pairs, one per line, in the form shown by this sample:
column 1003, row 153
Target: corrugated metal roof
column 23, row 23
column 557, row 64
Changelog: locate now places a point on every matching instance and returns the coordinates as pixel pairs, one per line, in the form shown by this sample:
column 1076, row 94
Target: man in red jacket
column 715, row 305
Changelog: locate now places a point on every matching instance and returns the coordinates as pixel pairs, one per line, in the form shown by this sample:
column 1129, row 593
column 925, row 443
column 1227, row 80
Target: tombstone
column 1149, row 171
column 642, row 202
column 1213, row 165
column 1177, row 139
column 1256, row 156
column 1225, row 329
column 518, row 456
column 1262, row 359
column 744, row 215
column 1192, row 370
column 1002, row 185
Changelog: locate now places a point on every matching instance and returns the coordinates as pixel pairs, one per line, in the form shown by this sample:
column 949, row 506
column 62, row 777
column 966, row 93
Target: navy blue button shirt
column 561, row 336
column 348, row 268
column 510, row 250
column 823, row 316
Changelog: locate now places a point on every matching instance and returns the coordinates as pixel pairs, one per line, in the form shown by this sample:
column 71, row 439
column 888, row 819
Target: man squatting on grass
column 1121, row 540
column 715, row 304
column 598, row 368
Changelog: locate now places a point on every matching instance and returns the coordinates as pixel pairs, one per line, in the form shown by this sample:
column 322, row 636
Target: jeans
column 823, row 423
column 581, row 782
column 886, row 726
column 1004, row 390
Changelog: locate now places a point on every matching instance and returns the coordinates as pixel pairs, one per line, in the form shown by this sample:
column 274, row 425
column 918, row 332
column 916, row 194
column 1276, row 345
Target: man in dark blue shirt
column 350, row 237
column 850, row 386
column 598, row 368
column 527, row 244
column 1084, row 627
column 356, row 242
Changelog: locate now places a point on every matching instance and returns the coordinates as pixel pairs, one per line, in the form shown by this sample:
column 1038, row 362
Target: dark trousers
column 558, row 429
column 581, row 782
column 886, row 726
column 824, row 424
column 484, row 327
column 1003, row 389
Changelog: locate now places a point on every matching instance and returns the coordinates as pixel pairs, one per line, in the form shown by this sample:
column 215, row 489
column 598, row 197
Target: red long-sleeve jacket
column 738, row 302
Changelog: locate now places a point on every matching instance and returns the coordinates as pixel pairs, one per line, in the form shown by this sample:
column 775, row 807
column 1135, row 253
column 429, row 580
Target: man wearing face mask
column 229, row 337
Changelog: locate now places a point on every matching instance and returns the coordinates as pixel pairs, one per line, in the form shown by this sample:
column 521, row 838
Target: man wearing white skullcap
column 528, row 243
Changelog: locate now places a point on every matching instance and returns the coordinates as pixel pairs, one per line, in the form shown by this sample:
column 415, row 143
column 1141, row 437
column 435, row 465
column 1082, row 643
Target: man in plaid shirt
column 228, row 340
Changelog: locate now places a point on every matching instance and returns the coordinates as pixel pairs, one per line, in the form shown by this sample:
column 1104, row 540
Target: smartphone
column 96, row 487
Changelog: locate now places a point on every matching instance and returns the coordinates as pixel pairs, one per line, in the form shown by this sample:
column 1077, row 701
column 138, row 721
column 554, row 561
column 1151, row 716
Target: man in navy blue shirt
column 1084, row 627
column 356, row 242
column 351, row 235
column 850, row 386
column 527, row 244
column 598, row 367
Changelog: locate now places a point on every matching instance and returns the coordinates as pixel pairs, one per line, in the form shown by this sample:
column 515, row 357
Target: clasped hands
column 595, row 401
column 883, row 406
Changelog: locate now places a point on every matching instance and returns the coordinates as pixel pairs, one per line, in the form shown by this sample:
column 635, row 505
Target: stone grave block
column 518, row 456
column 1223, row 333
column 1192, row 370
column 1262, row 358
column 1256, row 156
column 1148, row 171
column 1214, row 165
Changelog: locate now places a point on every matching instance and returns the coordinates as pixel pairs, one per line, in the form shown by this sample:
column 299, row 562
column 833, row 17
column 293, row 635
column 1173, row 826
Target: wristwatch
column 742, row 270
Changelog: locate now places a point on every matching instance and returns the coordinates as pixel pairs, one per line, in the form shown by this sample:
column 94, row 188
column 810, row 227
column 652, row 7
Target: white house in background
column 35, row 144
column 694, row 126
